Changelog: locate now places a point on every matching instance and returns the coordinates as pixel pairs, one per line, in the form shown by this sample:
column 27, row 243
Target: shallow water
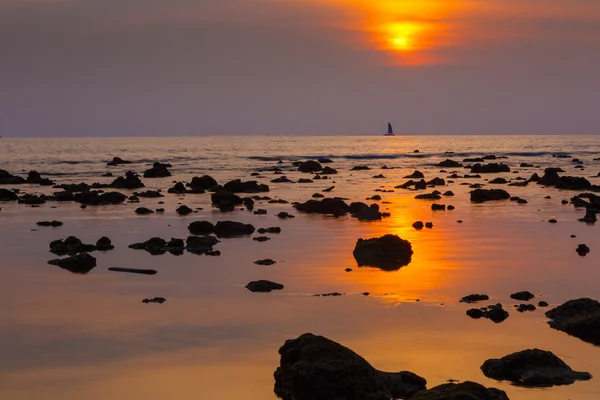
column 67, row 336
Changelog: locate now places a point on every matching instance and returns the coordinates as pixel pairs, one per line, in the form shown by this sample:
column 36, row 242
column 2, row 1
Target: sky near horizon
column 197, row 67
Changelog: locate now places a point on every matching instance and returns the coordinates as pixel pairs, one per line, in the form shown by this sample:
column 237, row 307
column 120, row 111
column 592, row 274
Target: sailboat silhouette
column 390, row 131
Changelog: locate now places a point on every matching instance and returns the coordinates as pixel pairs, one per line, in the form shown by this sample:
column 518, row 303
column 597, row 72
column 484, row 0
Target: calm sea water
column 66, row 336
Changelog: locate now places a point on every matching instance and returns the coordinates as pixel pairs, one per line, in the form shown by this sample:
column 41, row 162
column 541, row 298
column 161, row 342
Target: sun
column 402, row 36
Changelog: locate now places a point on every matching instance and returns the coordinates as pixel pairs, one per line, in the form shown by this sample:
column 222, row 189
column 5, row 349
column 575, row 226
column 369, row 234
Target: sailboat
column 390, row 131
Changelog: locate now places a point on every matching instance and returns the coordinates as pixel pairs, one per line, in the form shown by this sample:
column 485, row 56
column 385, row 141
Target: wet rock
column 461, row 391
column 96, row 198
column 380, row 176
column 52, row 224
column 366, row 213
column 550, row 177
column 428, row 225
column 143, row 211
column 278, row 201
column 474, row 298
column 318, row 196
column 203, row 183
column 573, row 183
column 260, row 211
column 418, row 225
column 415, row 175
column 583, row 250
column 579, row 318
column 494, row 313
column 74, row 187
column 489, row 168
column 525, row 307
column 360, row 168
column 310, row 166
column 324, row 160
column 282, row 179
column 483, row 195
column 7, row 178
column 237, row 186
column 429, row 196
column 81, row 263
column 329, row 189
column 522, row 296
column 285, row 215
column 158, row 300
column 261, row 238
column 449, row 193
column 266, row 261
column 8, row 195
column 200, row 244
column 438, row 207
column 178, row 188
column 451, row 207
column 129, row 181
column 449, row 164
column 154, row 246
column 375, row 197
column 36, row 178
column 328, row 171
column 231, row 229
column 274, row 229
column 436, row 182
column 542, row 304
column 331, row 206
column 32, row 199
column 498, row 181
column 316, row 368
column 304, row 180
column 158, row 170
column 104, row 244
column 522, row 201
column 532, row 368
column 226, row 201
column 183, row 210
column 138, row 271
column 388, row 252
column 117, row 161
column 71, row 246
column 263, row 286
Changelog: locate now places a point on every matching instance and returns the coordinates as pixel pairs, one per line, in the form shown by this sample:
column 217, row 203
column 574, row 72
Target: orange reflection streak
column 409, row 30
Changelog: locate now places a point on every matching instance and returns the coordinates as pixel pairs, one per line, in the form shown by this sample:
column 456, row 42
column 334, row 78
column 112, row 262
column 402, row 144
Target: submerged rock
column 579, row 318
column 263, row 286
column 461, row 391
column 316, row 368
column 388, row 252
column 533, row 368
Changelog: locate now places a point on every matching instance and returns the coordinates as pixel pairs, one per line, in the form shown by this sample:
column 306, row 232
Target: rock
column 260, row 211
column 388, row 252
column 525, row 307
column 204, row 182
column 8, row 179
column 438, row 207
column 154, row 246
column 237, row 186
column 328, row 171
column 304, row 180
column 532, row 368
column 134, row 271
column 498, row 181
column 316, row 368
column 53, row 224
column 415, row 175
column 178, row 188
column 310, row 166
column 449, row 164
column 331, row 206
column 104, row 244
column 542, row 304
column 473, row 298
column 375, row 197
column 158, row 170
column 476, row 313
column 226, row 201
column 282, row 179
column 143, row 211
column 329, row 189
column 429, row 196
column 284, row 215
column 428, row 225
column 36, row 178
column 318, row 196
column 552, row 221
column 231, row 229
column 261, row 238
column 483, row 195
column 324, row 160
column 522, row 296
column 550, row 177
column 461, row 391
column 96, row 198
column 525, row 165
column 436, row 182
column 579, row 318
column 449, row 193
column 81, row 263
column 130, row 181
column 522, row 201
column 71, row 246
column 266, row 261
column 201, row 244
column 573, row 183
column 8, row 195
column 150, row 194
column 274, row 229
column 263, row 286
column 158, row 300
column 583, row 250
column 32, row 199
column 418, row 225
column 117, row 161
column 451, row 207
column 380, row 176
column 201, row 228
column 489, row 168
column 360, row 168
column 183, row 210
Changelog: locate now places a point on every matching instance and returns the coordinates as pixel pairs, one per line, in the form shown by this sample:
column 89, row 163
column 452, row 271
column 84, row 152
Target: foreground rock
column 158, row 170
column 533, row 368
column 494, row 313
column 237, row 186
column 579, row 318
column 483, row 195
column 78, row 264
column 316, row 368
column 8, row 195
column 231, row 229
column 461, row 391
column 330, row 206
column 263, row 286
column 388, row 252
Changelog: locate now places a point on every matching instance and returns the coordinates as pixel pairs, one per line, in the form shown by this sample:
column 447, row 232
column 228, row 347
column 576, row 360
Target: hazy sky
column 196, row 67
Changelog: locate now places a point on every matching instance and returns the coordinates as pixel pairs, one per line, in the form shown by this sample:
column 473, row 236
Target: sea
column 89, row 336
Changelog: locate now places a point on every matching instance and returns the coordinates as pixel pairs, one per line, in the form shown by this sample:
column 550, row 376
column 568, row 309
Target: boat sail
column 390, row 131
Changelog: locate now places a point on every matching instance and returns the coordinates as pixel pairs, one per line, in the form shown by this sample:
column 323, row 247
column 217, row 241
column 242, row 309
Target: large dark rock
column 74, row 187
column 226, row 201
column 6, row 178
column 573, row 183
column 579, row 318
column 415, row 175
column 230, row 229
column 201, row 228
column 71, row 246
column 533, row 368
column 104, row 244
column 117, row 161
column 263, row 286
column 8, row 195
column 237, row 186
column 310, row 166
column 158, row 170
column 97, row 198
column 130, row 181
column 154, row 246
column 489, row 168
column 449, row 164
column 81, row 263
column 36, row 178
column 316, row 368
column 388, row 252
column 483, row 195
column 333, row 206
column 204, row 182
column 461, row 391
